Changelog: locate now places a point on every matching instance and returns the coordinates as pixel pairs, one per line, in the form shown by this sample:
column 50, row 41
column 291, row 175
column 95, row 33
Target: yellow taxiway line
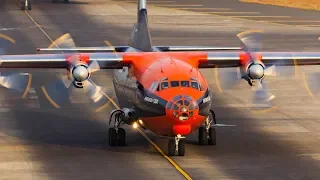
column 232, row 12
column 172, row 162
column 199, row 8
column 260, row 16
column 175, row 5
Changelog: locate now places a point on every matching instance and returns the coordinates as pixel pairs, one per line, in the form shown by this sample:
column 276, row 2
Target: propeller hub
column 256, row 71
column 80, row 73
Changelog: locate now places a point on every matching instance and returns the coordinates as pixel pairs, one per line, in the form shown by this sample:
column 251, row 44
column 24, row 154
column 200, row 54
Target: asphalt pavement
column 71, row 143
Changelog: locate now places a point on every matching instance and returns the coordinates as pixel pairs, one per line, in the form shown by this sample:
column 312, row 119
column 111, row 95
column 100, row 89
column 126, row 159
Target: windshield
column 175, row 84
column 165, row 84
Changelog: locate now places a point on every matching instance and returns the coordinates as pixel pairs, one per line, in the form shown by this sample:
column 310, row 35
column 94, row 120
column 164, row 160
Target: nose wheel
column 207, row 134
column 176, row 146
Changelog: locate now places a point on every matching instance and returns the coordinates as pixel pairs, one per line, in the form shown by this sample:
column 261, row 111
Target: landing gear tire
column 121, row 137
column 29, row 6
column 171, row 148
column 117, row 138
column 112, row 137
column 66, row 1
column 212, row 137
column 182, row 148
column 202, row 136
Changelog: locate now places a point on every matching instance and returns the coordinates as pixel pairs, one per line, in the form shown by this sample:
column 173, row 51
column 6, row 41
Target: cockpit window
column 185, row 83
column 164, row 85
column 195, row 84
column 175, row 84
column 154, row 85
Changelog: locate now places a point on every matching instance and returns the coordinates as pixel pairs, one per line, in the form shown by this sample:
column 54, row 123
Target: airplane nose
column 182, row 107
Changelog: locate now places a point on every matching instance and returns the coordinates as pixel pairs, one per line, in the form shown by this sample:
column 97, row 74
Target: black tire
column 182, row 147
column 171, row 148
column 66, row 1
column 202, row 136
column 112, row 137
column 121, row 137
column 29, row 6
column 212, row 134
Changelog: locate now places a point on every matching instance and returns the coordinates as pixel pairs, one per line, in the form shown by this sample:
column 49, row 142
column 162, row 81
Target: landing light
column 182, row 118
column 140, row 121
column 135, row 125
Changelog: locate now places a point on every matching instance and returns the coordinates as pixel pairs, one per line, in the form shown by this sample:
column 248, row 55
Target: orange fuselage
column 167, row 91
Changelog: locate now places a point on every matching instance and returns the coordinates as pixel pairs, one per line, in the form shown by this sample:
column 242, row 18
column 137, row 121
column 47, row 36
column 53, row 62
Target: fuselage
column 168, row 93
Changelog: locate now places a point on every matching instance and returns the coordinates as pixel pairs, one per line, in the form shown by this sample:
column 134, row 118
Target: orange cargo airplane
column 159, row 87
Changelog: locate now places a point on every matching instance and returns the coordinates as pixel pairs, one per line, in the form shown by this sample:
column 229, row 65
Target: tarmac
column 40, row 142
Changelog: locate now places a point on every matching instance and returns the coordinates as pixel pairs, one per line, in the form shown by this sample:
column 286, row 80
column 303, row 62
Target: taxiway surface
column 71, row 143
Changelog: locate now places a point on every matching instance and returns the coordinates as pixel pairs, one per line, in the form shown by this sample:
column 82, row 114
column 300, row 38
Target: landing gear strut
column 117, row 135
column 26, row 5
column 176, row 145
column 207, row 134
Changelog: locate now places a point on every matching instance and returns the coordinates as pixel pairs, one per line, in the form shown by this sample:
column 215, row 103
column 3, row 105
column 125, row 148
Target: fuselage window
column 185, row 84
column 175, row 84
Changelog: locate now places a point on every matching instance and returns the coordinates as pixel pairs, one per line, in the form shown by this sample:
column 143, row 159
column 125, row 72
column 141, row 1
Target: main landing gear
column 26, row 5
column 176, row 145
column 207, row 134
column 117, row 135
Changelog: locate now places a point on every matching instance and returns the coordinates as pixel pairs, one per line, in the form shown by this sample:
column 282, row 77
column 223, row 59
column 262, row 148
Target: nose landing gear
column 176, row 145
column 207, row 134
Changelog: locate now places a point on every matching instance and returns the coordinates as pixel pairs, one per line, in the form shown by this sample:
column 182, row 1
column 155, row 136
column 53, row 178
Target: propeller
column 19, row 82
column 78, row 77
column 311, row 82
column 253, row 70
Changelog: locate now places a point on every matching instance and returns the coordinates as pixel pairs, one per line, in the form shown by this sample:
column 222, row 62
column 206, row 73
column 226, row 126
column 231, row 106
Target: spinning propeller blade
column 20, row 82
column 252, row 70
column 79, row 75
column 312, row 83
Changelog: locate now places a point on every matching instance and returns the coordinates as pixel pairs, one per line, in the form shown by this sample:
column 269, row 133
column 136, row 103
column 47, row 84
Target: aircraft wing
column 105, row 60
column 124, row 48
column 234, row 59
column 219, row 59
